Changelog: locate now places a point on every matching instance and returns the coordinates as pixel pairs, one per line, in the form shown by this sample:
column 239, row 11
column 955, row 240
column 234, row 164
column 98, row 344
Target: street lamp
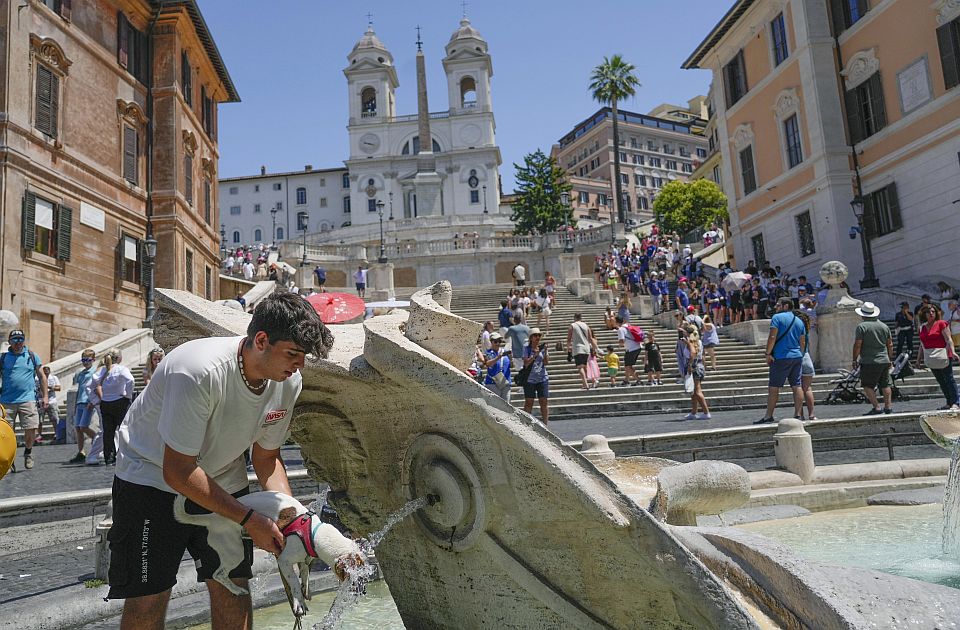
column 150, row 253
column 870, row 280
column 383, row 254
column 302, row 218
column 567, row 243
column 391, row 205
column 273, row 227
column 484, row 198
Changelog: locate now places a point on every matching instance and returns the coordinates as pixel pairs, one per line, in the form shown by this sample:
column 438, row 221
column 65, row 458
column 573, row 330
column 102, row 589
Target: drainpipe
column 151, row 280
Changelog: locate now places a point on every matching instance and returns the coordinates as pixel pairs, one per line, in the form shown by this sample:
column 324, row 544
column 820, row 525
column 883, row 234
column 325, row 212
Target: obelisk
column 427, row 181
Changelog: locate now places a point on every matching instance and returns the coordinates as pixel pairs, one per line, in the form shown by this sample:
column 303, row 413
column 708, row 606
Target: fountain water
column 354, row 587
column 944, row 430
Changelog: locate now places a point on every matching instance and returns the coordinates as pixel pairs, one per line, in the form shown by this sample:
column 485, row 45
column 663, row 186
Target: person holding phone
column 537, row 387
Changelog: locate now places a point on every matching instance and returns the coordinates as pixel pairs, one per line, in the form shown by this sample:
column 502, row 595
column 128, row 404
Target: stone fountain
column 528, row 533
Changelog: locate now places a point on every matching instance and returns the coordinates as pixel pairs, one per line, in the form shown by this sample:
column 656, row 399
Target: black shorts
column 147, row 543
column 873, row 375
column 630, row 358
column 580, row 359
column 653, row 364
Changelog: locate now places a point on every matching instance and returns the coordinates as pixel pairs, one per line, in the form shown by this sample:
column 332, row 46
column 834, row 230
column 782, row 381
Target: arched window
column 473, row 182
column 279, row 233
column 236, row 236
column 416, row 146
column 257, row 235
column 368, row 102
column 301, row 196
column 468, row 92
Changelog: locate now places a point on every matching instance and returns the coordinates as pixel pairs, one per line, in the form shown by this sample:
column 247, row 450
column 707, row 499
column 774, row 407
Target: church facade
column 456, row 172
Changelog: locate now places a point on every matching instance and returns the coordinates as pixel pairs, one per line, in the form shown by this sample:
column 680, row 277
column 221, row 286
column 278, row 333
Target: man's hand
column 265, row 533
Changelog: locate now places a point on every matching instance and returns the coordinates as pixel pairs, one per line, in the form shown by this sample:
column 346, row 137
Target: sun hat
column 534, row 331
column 496, row 337
column 691, row 308
column 868, row 310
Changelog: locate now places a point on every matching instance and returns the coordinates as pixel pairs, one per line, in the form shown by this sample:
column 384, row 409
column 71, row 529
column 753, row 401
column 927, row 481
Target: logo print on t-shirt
column 274, row 416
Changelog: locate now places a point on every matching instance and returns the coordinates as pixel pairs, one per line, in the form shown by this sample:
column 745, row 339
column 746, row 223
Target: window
column 651, row 146
column 188, row 179
column 805, row 234
column 602, row 199
column 747, row 171
column 701, row 153
column 207, row 112
column 655, row 162
column 667, row 148
column 280, row 233
column 672, row 165
column 257, row 235
column 323, row 202
column 759, row 251
column 235, row 210
column 716, row 175
column 846, row 13
column 345, row 181
column 778, row 39
column 256, row 188
column 584, row 197
column 236, row 236
column 207, row 204
column 687, row 168
column 881, row 212
column 131, row 143
column 301, row 196
column 371, row 205
column 234, row 190
column 640, row 180
column 188, row 264
column 47, row 227
column 48, row 101
column 624, row 178
column 866, row 113
column 256, row 208
column 474, row 196
column 948, row 39
column 642, row 203
column 346, row 204
column 207, row 282
column 61, row 7
column 633, row 143
column 791, row 135
column 658, row 182
column 623, row 156
column 684, row 152
column 279, row 205
column 130, row 260
column 323, row 182
column 278, row 186
column 186, row 78
column 368, row 102
column 131, row 49
column 735, row 79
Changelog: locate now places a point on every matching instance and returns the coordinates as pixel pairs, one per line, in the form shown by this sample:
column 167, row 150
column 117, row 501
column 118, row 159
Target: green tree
column 539, row 207
column 611, row 82
column 683, row 206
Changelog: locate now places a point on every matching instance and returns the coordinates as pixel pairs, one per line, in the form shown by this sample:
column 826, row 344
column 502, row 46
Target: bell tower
column 469, row 69
column 371, row 81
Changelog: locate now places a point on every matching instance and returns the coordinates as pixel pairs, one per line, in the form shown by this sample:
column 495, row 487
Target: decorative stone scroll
column 50, row 53
column 787, row 103
column 189, row 142
column 861, row 66
column 131, row 112
column 742, row 136
column 947, row 10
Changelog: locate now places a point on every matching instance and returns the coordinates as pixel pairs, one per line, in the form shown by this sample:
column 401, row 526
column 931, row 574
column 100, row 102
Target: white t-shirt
column 197, row 404
column 628, row 342
column 52, row 382
column 519, row 272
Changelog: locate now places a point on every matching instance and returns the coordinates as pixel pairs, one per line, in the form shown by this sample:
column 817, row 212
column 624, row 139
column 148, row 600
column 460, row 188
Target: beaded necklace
column 256, row 390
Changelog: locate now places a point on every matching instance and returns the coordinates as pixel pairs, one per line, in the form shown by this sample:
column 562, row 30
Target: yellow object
column 8, row 443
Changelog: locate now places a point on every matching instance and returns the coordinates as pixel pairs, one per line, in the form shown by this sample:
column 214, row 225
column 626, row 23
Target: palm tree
column 612, row 81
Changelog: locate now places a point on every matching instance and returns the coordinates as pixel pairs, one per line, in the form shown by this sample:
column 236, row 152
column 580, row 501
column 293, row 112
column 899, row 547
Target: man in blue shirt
column 664, row 290
column 505, row 316
column 497, row 364
column 654, row 287
column 786, row 344
column 20, row 366
column 682, row 300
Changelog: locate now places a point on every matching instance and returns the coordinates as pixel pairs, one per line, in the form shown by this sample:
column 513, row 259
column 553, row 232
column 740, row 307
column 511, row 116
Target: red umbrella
column 336, row 308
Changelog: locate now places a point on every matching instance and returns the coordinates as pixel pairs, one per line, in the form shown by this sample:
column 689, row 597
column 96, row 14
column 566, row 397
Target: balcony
column 368, row 114
column 469, row 105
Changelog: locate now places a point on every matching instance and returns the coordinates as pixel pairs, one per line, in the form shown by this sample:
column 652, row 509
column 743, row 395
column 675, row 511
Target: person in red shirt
column 935, row 334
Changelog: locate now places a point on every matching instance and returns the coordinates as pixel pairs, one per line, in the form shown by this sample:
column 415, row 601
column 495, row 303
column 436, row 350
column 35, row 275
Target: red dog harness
column 300, row 527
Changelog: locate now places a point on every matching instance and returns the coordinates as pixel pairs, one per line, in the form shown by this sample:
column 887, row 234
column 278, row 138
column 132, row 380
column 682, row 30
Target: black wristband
column 247, row 517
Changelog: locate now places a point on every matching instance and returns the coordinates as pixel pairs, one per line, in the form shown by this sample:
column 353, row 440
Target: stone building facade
column 822, row 102
column 653, row 151
column 91, row 156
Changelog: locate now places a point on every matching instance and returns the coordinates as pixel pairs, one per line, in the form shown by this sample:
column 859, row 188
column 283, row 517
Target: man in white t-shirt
column 209, row 400
column 360, row 280
column 248, row 270
column 632, row 349
column 520, row 274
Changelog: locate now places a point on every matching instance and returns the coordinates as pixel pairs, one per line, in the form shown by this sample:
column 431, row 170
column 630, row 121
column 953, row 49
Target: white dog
column 306, row 539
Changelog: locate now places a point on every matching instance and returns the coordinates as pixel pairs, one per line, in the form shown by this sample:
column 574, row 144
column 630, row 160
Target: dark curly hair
column 285, row 316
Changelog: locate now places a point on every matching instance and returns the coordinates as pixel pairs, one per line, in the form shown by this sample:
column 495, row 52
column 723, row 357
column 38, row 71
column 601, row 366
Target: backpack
column 635, row 332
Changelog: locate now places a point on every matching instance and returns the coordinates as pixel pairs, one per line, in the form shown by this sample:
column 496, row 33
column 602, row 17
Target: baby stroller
column 901, row 370
column 847, row 387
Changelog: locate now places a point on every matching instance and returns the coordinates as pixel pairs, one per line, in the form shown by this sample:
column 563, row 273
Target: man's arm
column 271, row 472
column 856, row 350
column 890, row 348
column 771, row 342
column 181, row 473
column 44, row 394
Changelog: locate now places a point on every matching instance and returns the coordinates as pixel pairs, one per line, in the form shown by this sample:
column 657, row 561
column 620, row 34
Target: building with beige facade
column 653, row 150
column 820, row 103
column 108, row 116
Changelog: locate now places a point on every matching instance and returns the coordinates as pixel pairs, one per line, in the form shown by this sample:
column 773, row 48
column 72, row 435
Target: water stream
column 354, row 587
column 951, row 506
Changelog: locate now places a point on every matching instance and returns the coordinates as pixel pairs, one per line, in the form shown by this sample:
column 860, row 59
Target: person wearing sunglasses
column 21, row 370
column 83, row 412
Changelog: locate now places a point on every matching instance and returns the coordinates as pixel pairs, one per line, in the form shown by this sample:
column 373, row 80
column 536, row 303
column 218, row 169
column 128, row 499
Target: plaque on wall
column 92, row 216
column 914, row 85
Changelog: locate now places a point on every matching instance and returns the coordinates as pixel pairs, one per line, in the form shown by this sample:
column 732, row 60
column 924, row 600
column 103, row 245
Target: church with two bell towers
column 391, row 160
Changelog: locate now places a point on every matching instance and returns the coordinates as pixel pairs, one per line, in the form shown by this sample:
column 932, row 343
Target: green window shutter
column 121, row 264
column 869, row 216
column 142, row 261
column 186, row 78
column 130, row 154
column 854, row 123
column 123, row 40
column 28, row 224
column 45, row 116
column 949, row 59
column 188, row 178
column 837, row 17
column 64, row 232
column 893, row 205
column 876, row 102
column 54, row 103
column 66, row 7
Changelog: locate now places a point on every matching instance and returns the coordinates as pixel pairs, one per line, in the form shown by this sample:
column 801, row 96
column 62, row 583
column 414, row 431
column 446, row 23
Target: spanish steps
column 740, row 381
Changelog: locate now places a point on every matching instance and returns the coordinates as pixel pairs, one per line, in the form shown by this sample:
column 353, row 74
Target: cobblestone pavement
column 44, row 572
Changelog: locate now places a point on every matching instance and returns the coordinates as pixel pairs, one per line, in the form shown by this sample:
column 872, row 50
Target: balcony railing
column 368, row 114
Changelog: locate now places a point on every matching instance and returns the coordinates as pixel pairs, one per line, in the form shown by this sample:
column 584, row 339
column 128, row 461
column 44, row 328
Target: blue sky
column 286, row 58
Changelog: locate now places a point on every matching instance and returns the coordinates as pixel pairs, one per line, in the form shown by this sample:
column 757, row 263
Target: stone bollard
column 794, row 449
column 569, row 268
column 102, row 546
column 71, row 428
column 595, row 448
column 380, row 285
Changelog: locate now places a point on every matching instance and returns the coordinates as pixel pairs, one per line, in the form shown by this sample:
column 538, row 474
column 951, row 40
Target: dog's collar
column 300, row 527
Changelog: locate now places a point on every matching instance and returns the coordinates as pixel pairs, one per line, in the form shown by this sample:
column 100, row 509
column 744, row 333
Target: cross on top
column 419, row 43
column 369, row 19
column 463, row 5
